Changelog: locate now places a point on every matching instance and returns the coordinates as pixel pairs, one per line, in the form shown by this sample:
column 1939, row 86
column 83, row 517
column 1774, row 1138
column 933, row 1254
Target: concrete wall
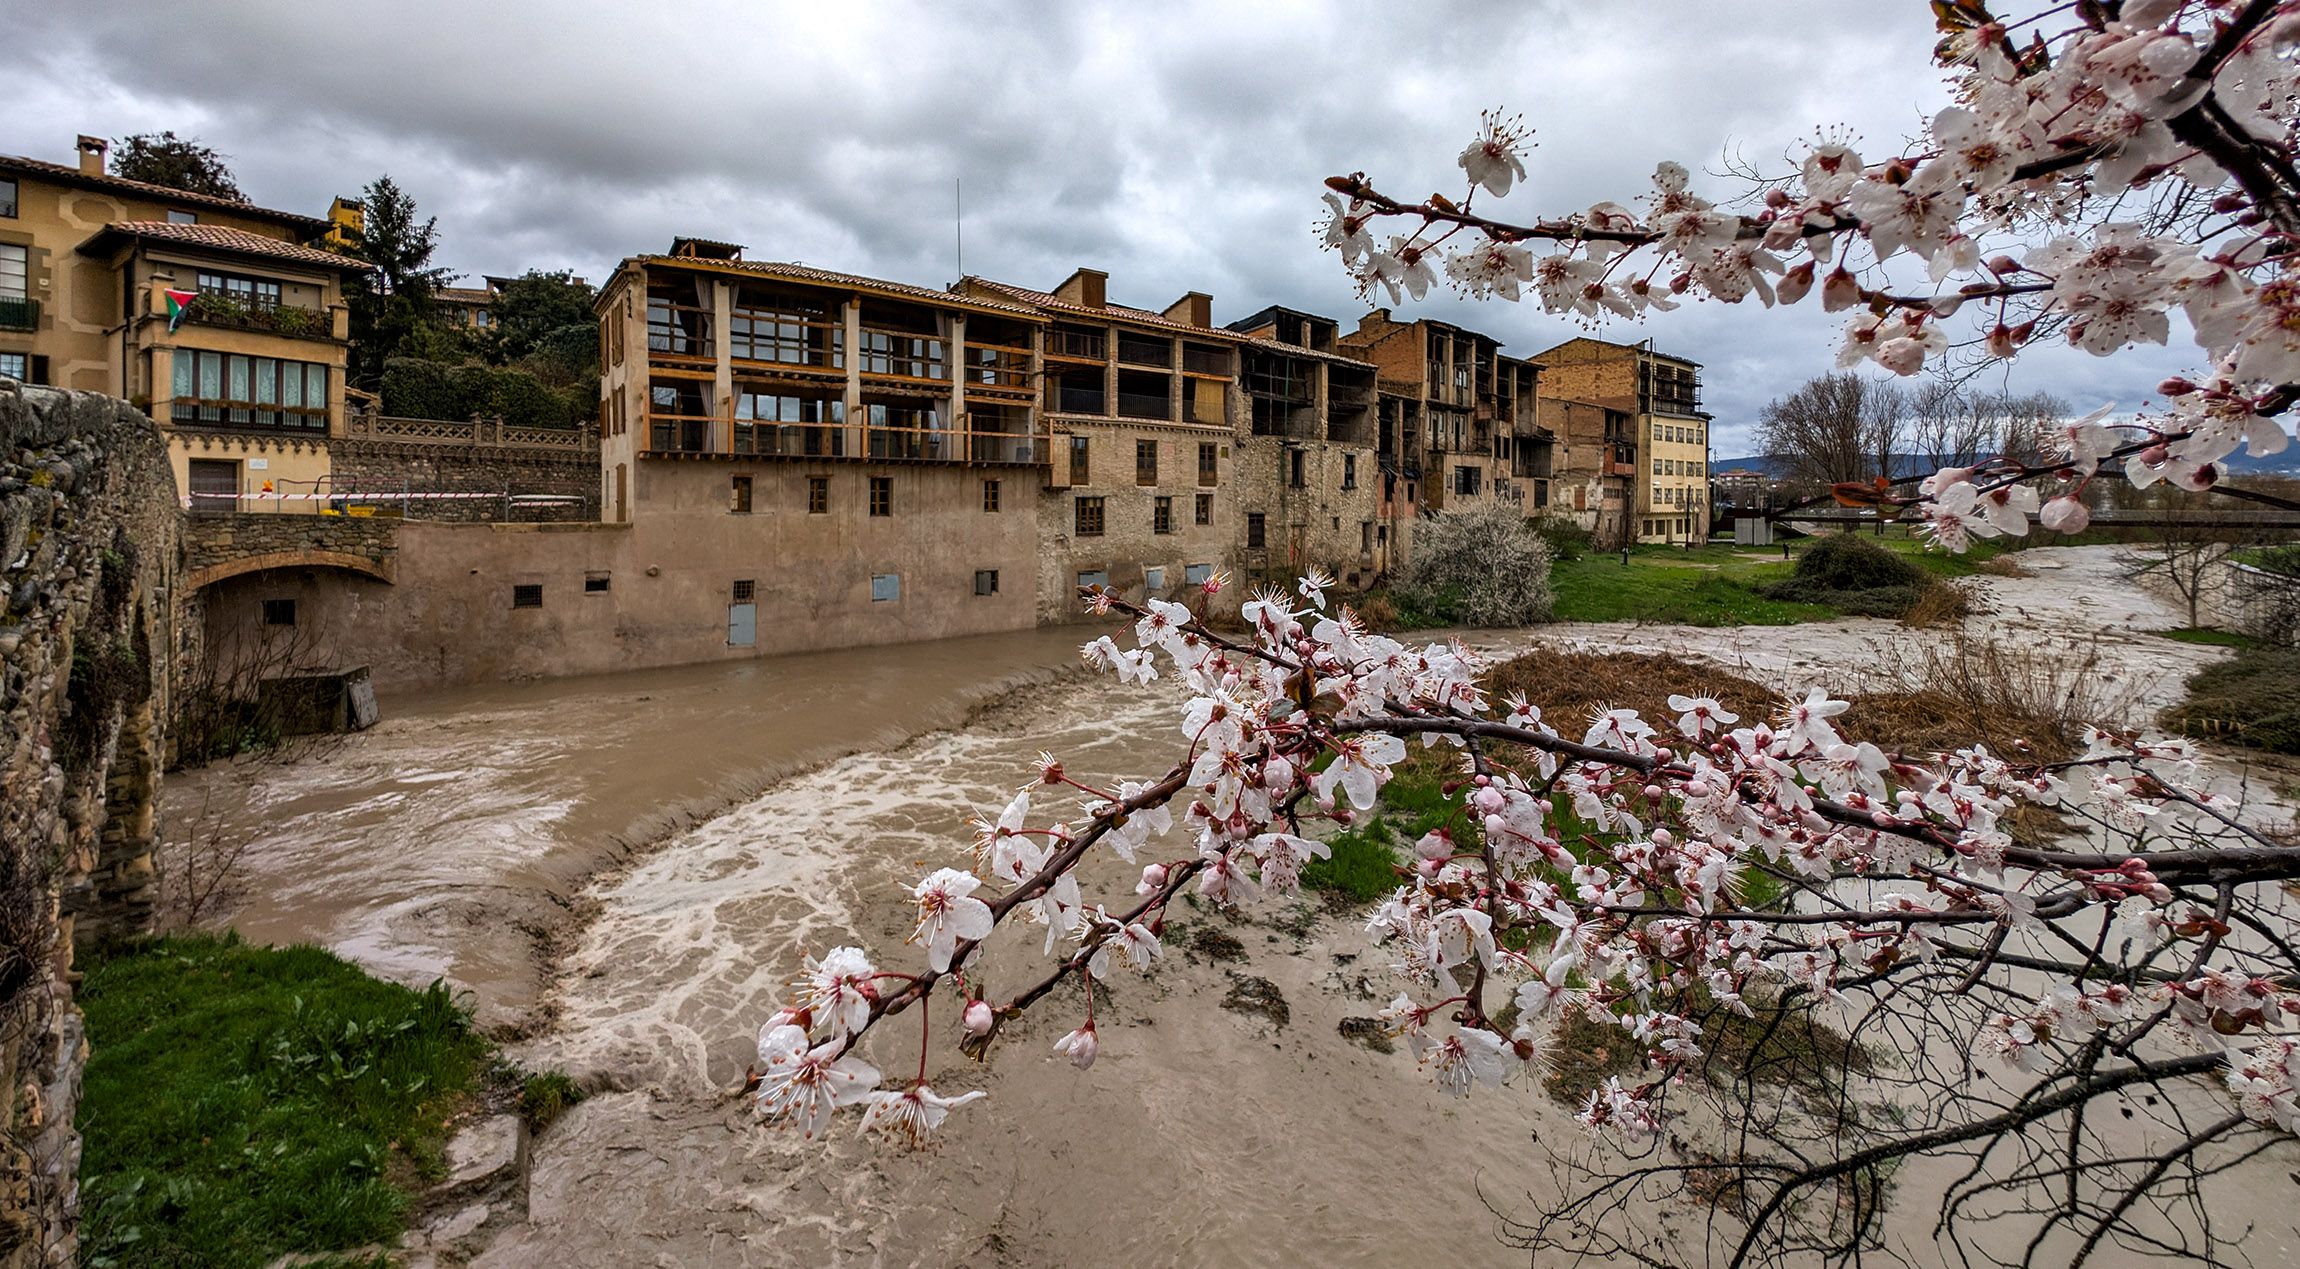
column 88, row 542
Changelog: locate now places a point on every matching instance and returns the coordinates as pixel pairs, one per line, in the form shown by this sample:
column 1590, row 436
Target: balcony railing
column 997, row 368
column 1145, row 405
column 1076, row 344
column 19, row 312
column 703, row 436
column 288, row 321
column 1205, row 361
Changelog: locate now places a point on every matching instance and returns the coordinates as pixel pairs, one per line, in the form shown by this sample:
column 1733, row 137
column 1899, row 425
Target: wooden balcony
column 723, row 436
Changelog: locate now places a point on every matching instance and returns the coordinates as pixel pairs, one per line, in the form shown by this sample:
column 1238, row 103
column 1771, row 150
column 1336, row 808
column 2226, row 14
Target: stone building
column 812, row 459
column 208, row 312
column 1662, row 393
column 1596, row 478
column 1309, row 477
column 1456, row 421
column 1140, row 409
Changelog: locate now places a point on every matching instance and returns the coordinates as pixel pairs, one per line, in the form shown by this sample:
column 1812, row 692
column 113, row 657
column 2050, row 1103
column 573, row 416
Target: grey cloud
column 1178, row 146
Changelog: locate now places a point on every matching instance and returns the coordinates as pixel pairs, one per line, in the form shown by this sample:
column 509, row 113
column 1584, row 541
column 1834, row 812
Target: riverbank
column 1226, row 1088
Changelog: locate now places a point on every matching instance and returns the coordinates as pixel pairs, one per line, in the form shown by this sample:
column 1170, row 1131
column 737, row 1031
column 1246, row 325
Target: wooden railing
column 723, row 436
column 997, row 367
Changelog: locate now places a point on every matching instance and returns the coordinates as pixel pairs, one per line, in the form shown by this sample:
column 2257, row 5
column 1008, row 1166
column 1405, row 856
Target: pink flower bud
column 976, row 1019
column 1278, row 775
column 2227, row 203
column 1153, row 880
column 2064, row 515
column 1488, row 799
column 1776, row 197
column 2176, row 387
column 2002, row 265
column 1496, row 826
column 2001, row 342
column 1652, row 793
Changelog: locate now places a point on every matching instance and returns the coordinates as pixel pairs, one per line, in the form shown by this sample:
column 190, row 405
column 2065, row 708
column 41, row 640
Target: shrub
column 1483, row 567
column 419, row 389
column 1856, row 577
column 1567, row 540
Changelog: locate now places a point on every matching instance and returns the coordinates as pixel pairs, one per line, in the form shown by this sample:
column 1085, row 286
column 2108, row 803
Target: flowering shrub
column 1487, row 566
column 1650, row 876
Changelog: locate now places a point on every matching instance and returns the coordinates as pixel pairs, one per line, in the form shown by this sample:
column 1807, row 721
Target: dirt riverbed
column 625, row 869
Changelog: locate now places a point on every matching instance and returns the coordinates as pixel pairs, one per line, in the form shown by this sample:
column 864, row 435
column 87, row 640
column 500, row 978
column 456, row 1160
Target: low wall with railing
column 472, row 470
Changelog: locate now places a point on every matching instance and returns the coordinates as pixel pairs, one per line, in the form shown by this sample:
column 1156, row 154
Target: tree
column 163, row 158
column 1834, row 429
column 399, row 295
column 2066, row 985
column 547, row 314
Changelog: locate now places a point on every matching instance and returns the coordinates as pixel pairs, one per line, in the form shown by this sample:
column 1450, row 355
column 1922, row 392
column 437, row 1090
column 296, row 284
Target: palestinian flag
column 179, row 307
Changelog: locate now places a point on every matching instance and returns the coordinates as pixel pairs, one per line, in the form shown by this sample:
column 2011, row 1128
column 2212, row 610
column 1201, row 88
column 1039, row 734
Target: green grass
column 1713, row 586
column 242, row 1102
column 2253, row 698
column 2213, row 638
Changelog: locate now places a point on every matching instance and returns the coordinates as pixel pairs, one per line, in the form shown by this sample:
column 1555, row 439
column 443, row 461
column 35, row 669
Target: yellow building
column 209, row 313
column 1663, row 394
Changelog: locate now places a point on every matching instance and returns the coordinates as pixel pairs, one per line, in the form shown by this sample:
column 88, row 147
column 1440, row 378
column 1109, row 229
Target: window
column 176, row 217
column 818, row 495
column 1297, row 469
column 1078, row 461
column 739, row 498
column 279, row 612
column 1145, row 462
column 13, row 366
column 1205, row 512
column 1162, row 515
column 1154, row 579
column 1255, row 531
column 1365, row 537
column 14, row 271
column 258, row 293
column 1087, row 518
column 1349, row 471
column 1095, row 577
column 986, row 581
column 885, row 588
column 1207, row 470
column 744, row 591
column 1196, row 574
column 990, row 495
column 8, row 197
column 231, row 390
column 595, row 584
column 882, row 495
column 1465, row 480
column 527, row 596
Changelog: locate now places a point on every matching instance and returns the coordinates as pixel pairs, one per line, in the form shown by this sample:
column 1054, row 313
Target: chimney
column 92, row 151
column 1195, row 308
column 1085, row 287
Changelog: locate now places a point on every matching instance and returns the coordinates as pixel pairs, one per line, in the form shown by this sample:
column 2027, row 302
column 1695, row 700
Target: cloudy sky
column 1176, row 146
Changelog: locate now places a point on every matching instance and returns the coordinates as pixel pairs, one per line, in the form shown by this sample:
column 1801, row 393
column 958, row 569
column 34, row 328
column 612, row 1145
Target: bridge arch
column 365, row 566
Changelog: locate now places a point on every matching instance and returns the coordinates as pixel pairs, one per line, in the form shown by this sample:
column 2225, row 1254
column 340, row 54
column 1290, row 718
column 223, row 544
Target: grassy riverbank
column 242, row 1102
column 1717, row 584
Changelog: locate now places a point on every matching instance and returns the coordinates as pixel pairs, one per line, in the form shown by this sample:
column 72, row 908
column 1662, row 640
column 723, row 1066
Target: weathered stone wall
column 218, row 546
column 376, row 468
column 89, row 555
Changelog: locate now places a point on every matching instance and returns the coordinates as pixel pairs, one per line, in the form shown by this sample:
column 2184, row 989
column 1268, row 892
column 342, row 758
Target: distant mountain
column 2286, row 463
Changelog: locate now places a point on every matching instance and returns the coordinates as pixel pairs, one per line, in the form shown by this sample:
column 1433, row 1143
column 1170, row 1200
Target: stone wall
column 89, row 555
column 221, row 545
column 378, row 467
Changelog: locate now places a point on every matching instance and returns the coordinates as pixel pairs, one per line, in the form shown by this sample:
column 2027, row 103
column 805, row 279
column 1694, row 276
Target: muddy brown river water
column 624, row 868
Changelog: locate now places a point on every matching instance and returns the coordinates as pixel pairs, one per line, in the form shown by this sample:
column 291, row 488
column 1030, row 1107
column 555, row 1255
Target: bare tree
column 1834, row 429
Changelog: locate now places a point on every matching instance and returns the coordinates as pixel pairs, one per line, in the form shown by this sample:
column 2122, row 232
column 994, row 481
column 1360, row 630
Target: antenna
column 958, row 218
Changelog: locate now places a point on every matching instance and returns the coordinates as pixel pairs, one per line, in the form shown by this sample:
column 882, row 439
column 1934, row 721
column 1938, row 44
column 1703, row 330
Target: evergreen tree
column 400, row 295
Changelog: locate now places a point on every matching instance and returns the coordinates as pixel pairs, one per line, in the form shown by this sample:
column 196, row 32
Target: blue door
column 742, row 625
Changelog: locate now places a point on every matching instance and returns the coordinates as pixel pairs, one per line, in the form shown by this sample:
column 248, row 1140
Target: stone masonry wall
column 89, row 557
column 376, row 468
column 213, row 540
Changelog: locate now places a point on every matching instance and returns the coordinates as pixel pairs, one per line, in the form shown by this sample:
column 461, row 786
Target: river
column 620, row 870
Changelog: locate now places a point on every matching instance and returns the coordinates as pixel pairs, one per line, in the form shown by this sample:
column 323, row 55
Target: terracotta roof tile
column 1112, row 312
column 220, row 238
column 165, row 193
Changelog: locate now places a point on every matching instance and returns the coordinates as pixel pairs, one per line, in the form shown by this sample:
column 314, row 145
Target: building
column 1663, row 394
column 810, row 459
column 210, row 313
column 1456, row 424
column 346, row 221
column 1596, row 479
column 1306, row 455
column 1140, row 409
